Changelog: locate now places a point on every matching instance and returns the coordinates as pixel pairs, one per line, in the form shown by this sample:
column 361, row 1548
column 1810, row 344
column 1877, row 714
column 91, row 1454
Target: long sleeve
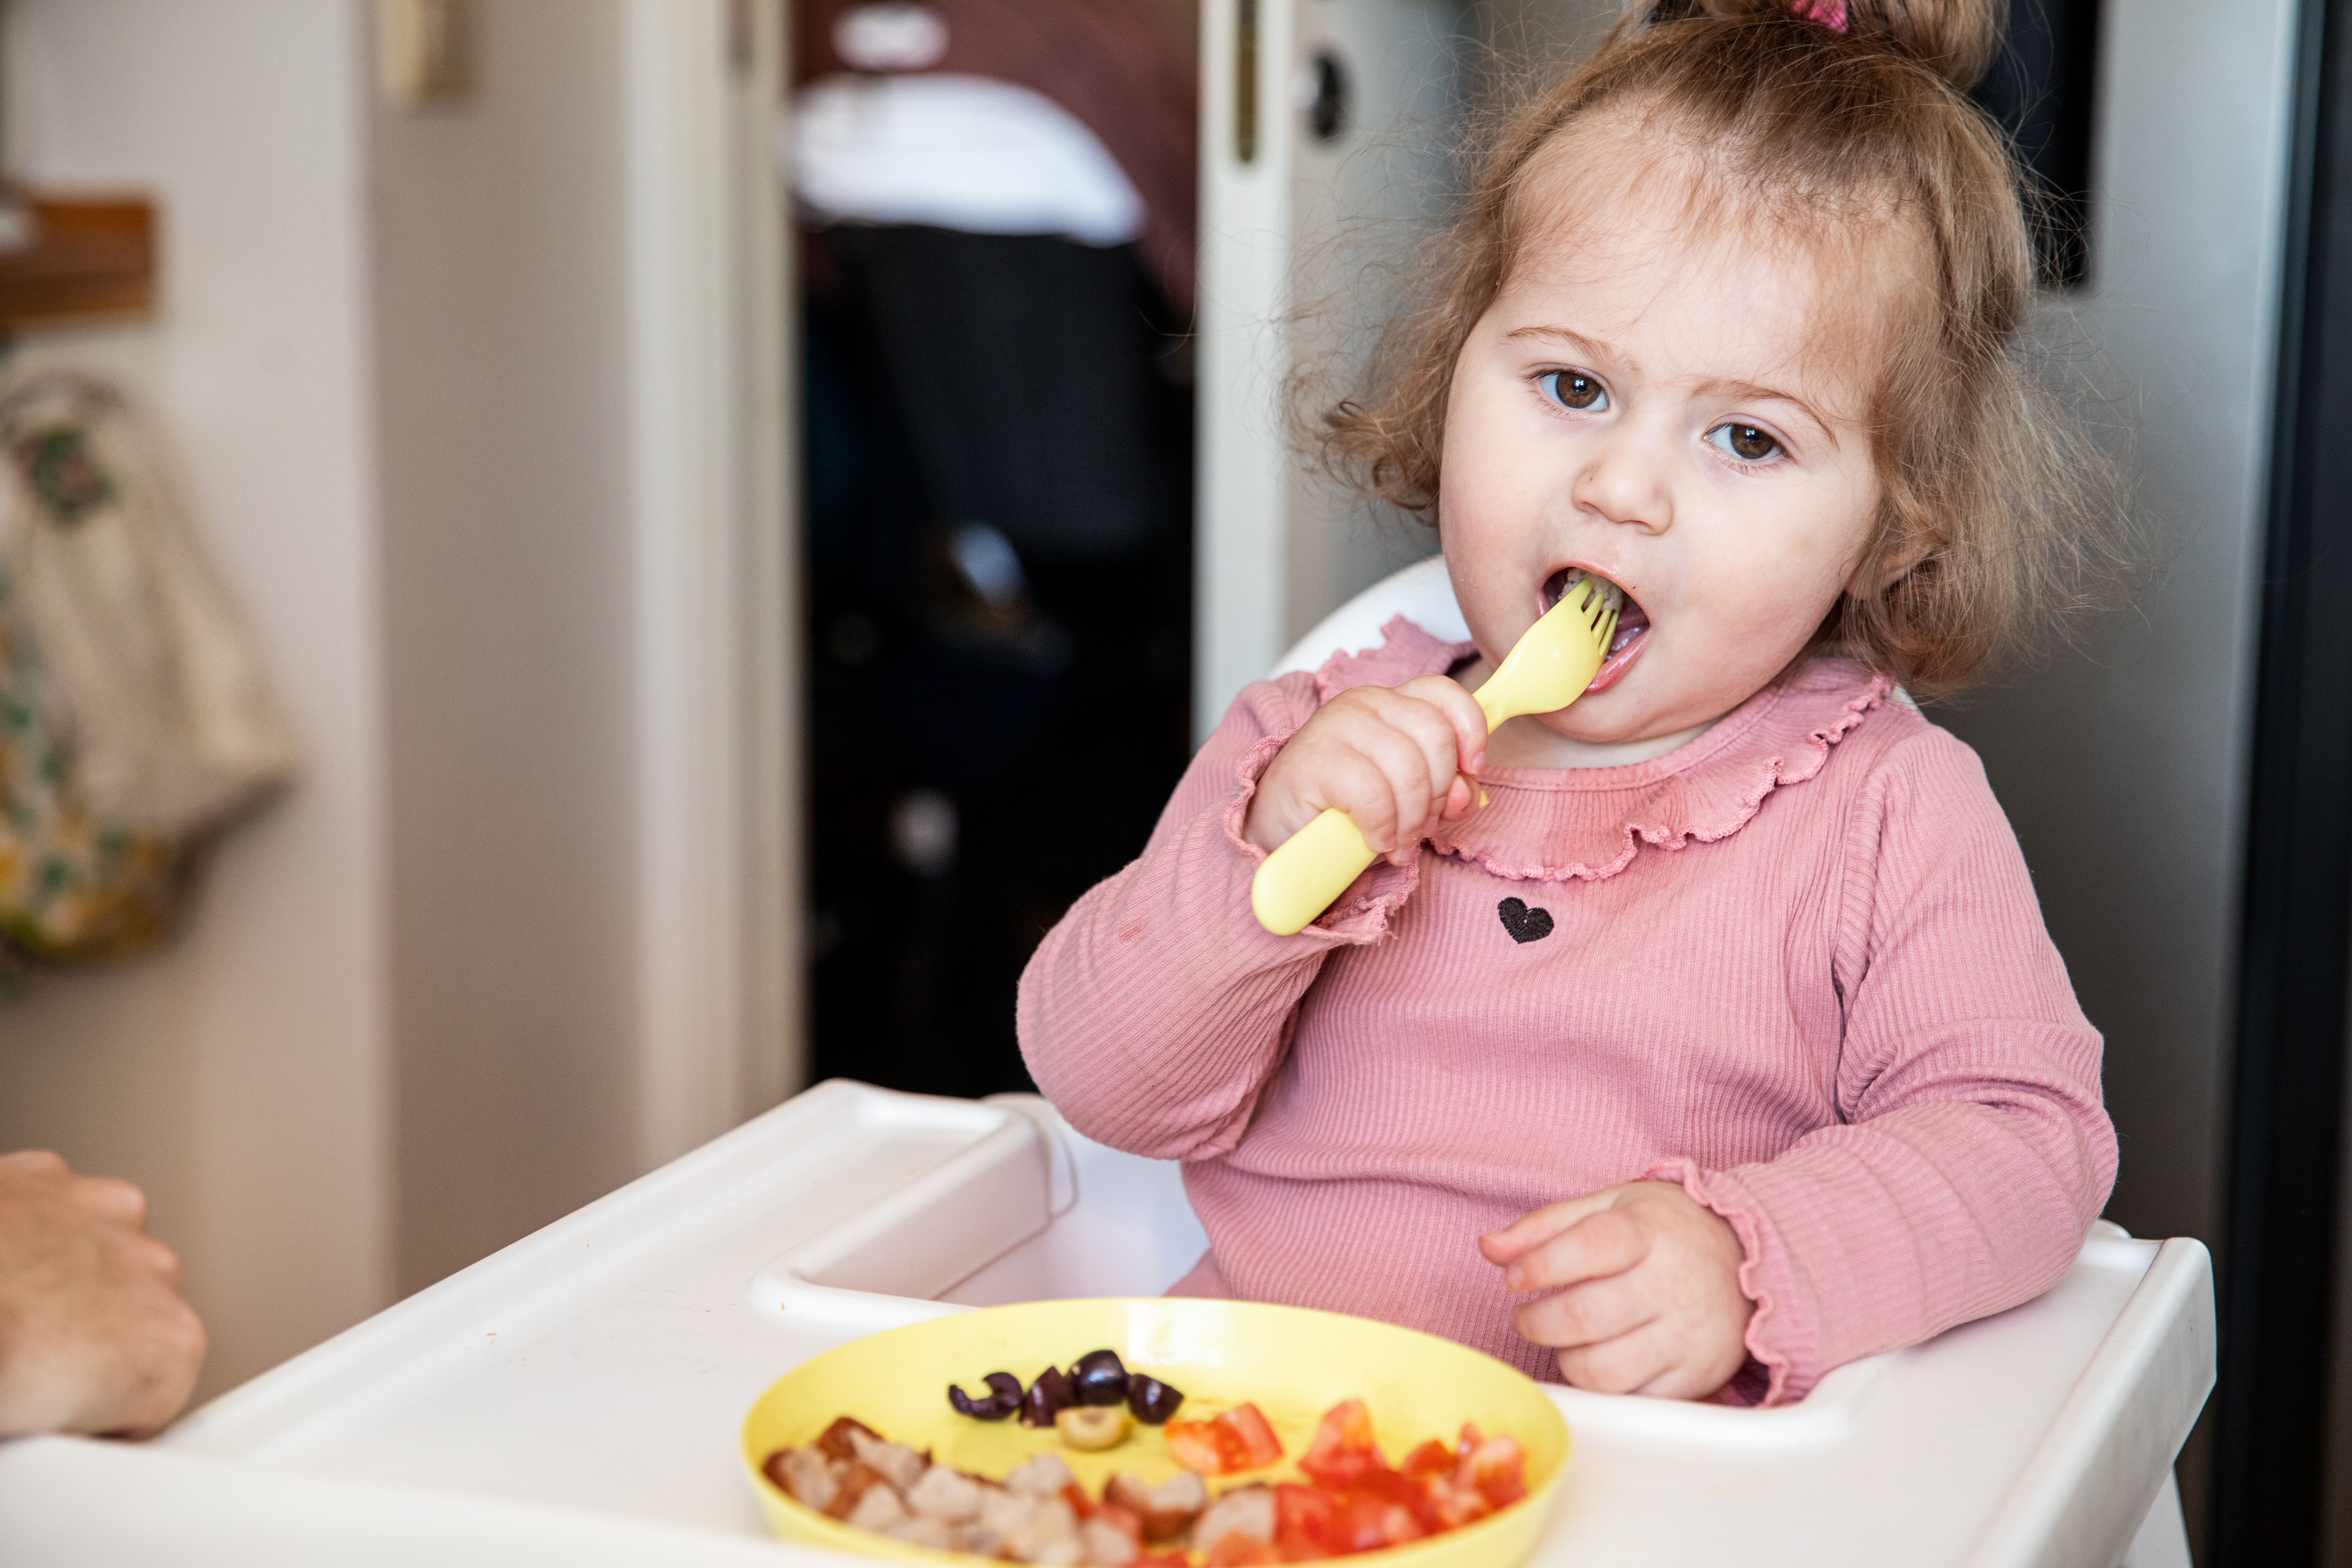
column 1154, row 1013
column 1972, row 1149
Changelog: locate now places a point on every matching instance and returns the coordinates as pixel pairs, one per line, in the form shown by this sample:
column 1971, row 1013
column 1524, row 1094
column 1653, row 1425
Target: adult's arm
column 94, row 1334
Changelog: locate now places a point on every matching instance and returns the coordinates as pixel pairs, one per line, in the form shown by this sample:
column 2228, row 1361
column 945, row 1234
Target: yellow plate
column 1293, row 1363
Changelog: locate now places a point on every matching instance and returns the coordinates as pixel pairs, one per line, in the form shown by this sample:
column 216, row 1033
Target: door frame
column 722, row 1001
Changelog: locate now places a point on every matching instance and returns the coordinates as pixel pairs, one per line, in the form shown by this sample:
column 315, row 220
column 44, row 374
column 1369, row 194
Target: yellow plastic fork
column 1554, row 661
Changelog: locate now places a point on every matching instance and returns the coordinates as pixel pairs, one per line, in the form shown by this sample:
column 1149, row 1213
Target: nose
column 1624, row 479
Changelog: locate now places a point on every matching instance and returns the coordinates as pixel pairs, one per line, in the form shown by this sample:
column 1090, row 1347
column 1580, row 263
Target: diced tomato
column 1342, row 1449
column 1454, row 1501
column 1239, row 1550
column 1163, row 1559
column 1259, row 1446
column 1430, row 1460
column 1368, row 1523
column 1347, row 1425
column 1358, row 1527
column 1126, row 1520
column 1409, row 1493
column 1080, row 1504
column 1194, row 1446
column 1303, row 1519
column 1400, row 1526
column 1503, row 1492
column 1240, row 1439
column 1467, row 1443
column 1394, row 1485
column 1497, row 1469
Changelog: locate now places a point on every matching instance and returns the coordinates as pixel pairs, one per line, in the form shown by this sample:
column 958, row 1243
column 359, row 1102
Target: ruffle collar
column 1554, row 825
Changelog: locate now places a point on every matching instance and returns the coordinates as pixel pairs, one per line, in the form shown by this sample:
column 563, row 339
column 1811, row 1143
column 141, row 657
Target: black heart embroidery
column 1524, row 923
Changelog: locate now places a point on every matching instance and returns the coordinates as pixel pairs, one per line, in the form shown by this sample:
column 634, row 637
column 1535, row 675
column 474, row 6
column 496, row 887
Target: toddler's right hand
column 1392, row 758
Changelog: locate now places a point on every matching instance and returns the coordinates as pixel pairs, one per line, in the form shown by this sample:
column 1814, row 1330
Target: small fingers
column 1634, row 1362
column 1601, row 1243
column 1465, row 719
column 1434, row 729
column 1586, row 1314
column 1404, row 770
column 1358, row 785
column 1540, row 1225
column 1416, row 746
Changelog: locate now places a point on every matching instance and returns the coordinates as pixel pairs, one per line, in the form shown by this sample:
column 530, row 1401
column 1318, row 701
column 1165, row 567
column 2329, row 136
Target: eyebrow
column 1574, row 340
column 1745, row 391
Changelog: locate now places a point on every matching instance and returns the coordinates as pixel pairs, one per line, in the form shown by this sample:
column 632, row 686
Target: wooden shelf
column 93, row 258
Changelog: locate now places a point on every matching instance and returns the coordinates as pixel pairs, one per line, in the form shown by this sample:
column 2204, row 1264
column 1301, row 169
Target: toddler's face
column 1667, row 409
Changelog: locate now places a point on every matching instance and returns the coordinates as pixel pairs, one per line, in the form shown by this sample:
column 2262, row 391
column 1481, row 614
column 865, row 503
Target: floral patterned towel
column 71, row 888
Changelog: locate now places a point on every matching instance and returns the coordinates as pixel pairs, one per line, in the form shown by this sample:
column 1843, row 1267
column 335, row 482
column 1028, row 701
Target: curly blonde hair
column 2006, row 512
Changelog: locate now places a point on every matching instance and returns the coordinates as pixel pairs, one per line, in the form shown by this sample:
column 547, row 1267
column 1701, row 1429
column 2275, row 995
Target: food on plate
column 1096, row 1378
column 1047, row 1397
column 1240, row 1439
column 1095, row 1381
column 1166, row 1511
column 1004, row 1397
column 1353, row 1500
column 1246, row 1511
column 1152, row 1401
column 1091, row 1428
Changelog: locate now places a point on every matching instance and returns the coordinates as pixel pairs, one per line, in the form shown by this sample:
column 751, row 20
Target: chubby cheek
column 1482, row 526
column 1755, row 613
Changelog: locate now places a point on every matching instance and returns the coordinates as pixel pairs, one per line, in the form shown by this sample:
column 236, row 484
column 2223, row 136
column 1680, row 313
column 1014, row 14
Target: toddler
column 1722, row 1043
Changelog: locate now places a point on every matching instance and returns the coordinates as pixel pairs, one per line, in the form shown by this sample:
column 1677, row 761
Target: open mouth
column 1633, row 623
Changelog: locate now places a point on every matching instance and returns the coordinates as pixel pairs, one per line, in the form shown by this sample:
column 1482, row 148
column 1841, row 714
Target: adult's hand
column 94, row 1336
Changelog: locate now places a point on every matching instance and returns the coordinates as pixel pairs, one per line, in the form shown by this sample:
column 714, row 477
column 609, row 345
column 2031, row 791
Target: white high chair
column 1422, row 594
column 576, row 1398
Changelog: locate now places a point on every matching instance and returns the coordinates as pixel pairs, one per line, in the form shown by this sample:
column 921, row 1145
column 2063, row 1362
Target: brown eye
column 1574, row 389
column 1749, row 443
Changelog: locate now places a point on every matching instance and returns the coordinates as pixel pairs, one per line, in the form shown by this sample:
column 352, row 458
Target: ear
column 1873, row 577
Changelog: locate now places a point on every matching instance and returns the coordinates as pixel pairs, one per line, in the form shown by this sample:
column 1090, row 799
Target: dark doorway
column 2044, row 90
column 999, row 504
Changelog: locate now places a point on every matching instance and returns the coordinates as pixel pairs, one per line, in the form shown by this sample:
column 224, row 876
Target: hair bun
column 1956, row 39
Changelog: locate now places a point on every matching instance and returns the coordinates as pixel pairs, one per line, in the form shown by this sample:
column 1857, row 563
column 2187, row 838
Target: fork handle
column 1310, row 869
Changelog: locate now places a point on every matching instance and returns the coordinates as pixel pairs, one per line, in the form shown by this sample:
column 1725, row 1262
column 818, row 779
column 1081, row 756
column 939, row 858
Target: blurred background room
column 706, row 488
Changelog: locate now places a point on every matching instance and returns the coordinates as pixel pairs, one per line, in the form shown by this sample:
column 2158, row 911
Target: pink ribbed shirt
column 1796, row 965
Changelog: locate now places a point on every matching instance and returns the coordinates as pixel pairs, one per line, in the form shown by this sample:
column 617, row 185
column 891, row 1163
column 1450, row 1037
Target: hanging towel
column 162, row 701
column 72, row 889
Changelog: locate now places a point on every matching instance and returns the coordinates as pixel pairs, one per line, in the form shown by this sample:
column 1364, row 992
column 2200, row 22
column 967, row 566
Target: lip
column 1624, row 648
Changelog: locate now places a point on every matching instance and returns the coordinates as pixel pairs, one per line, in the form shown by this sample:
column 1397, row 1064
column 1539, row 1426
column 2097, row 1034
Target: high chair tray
column 576, row 1398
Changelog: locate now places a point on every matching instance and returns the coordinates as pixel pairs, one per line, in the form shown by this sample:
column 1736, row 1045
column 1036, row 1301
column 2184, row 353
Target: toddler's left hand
column 1651, row 1301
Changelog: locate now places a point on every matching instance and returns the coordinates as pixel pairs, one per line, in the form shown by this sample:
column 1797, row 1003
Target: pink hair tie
column 1830, row 14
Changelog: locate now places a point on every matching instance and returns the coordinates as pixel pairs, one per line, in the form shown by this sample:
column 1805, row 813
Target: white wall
column 242, row 1077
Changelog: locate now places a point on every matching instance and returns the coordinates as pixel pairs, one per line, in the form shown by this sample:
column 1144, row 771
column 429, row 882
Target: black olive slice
column 1047, row 1397
column 1151, row 1400
column 1098, row 1377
